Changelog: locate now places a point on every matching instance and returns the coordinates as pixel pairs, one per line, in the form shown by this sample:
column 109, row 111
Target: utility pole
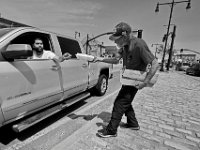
column 172, row 7
column 171, row 48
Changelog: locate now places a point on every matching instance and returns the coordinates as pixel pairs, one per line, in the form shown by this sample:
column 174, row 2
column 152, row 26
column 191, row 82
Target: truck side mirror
column 17, row 51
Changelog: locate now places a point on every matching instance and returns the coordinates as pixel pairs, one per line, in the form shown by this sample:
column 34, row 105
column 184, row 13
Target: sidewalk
column 168, row 114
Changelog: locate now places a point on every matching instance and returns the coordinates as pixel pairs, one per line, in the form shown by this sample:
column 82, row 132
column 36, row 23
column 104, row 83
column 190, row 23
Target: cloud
column 43, row 12
column 81, row 8
column 70, row 24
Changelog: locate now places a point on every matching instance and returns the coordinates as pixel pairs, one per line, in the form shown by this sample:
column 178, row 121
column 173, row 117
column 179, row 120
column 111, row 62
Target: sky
column 95, row 17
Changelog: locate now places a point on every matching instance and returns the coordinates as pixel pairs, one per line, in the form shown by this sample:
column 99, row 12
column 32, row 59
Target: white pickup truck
column 33, row 89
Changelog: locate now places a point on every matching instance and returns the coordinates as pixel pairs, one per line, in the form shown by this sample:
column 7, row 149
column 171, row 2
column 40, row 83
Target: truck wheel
column 102, row 85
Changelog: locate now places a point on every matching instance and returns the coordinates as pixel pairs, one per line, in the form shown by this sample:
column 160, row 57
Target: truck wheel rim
column 103, row 85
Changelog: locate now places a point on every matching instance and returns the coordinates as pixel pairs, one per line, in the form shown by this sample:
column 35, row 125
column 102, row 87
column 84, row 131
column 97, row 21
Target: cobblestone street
column 168, row 113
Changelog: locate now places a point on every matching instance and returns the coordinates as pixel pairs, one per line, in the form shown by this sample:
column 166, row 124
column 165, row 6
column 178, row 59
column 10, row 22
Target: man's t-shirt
column 136, row 55
column 45, row 55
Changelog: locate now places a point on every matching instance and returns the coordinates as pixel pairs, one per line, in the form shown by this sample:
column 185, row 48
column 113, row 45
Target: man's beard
column 39, row 50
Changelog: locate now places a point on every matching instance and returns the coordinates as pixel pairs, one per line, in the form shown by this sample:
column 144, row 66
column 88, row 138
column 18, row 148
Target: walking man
column 136, row 56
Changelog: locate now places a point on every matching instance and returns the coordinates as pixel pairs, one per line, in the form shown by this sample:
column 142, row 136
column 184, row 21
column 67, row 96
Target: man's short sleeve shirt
column 136, row 55
column 45, row 55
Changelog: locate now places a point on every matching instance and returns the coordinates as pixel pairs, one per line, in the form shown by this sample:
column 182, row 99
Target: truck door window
column 69, row 45
column 28, row 38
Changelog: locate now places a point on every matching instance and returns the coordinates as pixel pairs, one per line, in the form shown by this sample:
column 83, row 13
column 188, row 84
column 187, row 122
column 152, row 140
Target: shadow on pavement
column 85, row 117
column 104, row 116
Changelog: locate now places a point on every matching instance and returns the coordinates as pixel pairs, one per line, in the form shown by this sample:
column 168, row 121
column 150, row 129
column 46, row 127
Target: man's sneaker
column 126, row 125
column 106, row 134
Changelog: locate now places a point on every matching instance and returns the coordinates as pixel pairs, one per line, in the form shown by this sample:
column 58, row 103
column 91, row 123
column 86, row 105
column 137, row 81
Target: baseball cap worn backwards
column 120, row 29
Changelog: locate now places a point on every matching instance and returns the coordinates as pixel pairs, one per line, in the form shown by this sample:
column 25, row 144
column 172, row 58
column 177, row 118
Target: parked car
column 30, row 87
column 184, row 66
column 194, row 69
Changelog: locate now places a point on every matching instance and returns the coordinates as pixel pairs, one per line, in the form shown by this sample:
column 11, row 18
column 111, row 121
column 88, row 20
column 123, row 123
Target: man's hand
column 151, row 70
column 96, row 59
column 66, row 56
column 141, row 85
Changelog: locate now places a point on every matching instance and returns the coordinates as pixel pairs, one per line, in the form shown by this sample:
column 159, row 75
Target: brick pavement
column 168, row 113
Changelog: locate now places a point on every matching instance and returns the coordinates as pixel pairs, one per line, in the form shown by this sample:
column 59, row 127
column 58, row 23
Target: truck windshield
column 4, row 31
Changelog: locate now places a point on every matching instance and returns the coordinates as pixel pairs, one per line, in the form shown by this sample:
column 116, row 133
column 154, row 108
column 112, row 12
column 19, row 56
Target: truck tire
column 102, row 85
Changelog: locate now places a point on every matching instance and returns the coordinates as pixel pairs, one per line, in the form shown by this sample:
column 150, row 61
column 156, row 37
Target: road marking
column 58, row 123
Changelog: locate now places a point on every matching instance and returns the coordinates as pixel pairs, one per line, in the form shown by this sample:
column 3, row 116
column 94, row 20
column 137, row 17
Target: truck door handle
column 84, row 65
column 55, row 68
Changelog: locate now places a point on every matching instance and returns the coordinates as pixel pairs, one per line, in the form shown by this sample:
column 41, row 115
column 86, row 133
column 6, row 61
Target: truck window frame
column 69, row 45
column 28, row 38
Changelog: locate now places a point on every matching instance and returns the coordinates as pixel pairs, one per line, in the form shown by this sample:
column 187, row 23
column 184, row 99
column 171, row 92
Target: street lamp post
column 156, row 47
column 172, row 7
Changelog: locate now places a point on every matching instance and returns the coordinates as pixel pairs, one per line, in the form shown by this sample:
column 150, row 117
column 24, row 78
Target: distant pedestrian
column 136, row 56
